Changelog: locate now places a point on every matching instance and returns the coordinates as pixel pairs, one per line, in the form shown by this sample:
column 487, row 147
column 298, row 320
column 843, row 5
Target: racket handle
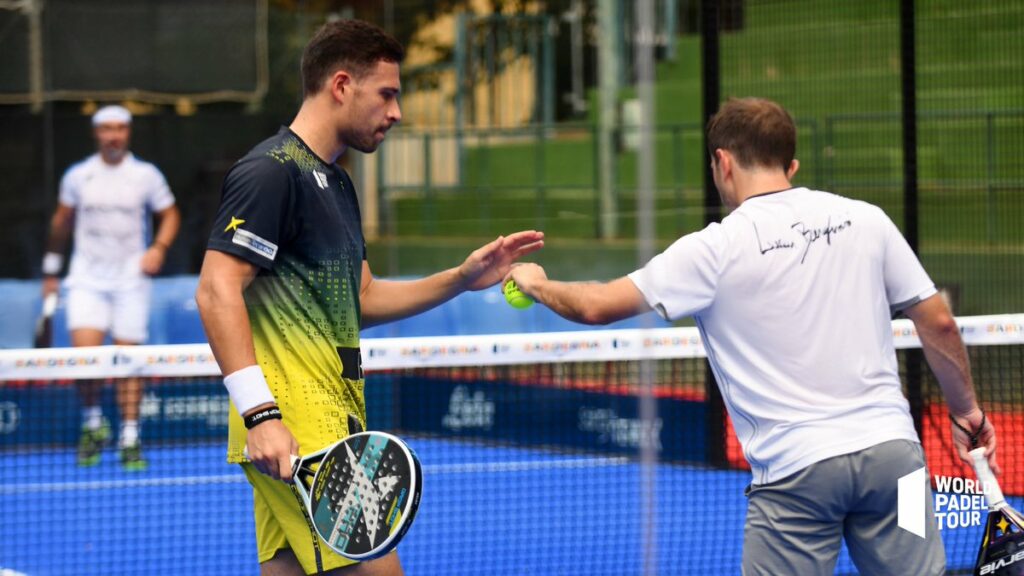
column 993, row 493
column 50, row 304
column 294, row 460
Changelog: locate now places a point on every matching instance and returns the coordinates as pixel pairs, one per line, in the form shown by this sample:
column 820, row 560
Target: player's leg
column 284, row 563
column 794, row 525
column 130, row 326
column 877, row 544
column 282, row 524
column 388, row 565
column 88, row 315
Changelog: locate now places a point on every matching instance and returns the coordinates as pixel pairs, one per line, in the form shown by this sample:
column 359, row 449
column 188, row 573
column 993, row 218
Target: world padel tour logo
column 958, row 502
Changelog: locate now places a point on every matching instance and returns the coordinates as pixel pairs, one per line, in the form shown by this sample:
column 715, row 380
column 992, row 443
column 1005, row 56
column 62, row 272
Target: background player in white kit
column 108, row 198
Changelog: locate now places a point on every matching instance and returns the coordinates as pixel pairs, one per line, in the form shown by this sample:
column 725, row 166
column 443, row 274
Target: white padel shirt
column 793, row 295
column 112, row 208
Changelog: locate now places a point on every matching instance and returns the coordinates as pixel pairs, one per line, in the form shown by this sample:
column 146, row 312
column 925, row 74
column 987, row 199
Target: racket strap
column 971, row 436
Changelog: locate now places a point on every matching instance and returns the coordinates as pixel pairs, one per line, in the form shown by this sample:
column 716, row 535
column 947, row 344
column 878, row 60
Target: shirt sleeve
column 68, row 194
column 683, row 280
column 906, row 282
column 159, row 196
column 254, row 213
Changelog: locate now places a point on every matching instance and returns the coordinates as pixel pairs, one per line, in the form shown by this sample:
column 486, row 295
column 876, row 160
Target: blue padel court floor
column 485, row 510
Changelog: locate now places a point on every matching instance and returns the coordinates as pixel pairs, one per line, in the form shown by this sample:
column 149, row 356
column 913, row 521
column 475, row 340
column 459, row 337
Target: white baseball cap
column 112, row 114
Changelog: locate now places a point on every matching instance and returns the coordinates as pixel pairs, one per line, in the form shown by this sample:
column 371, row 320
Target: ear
column 724, row 161
column 340, row 85
column 794, row 166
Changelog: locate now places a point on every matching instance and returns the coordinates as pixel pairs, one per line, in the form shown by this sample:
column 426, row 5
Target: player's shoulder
column 81, row 168
column 144, row 167
column 264, row 160
column 854, row 206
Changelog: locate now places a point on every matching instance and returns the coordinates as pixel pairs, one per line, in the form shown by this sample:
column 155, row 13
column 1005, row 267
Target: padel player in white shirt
column 108, row 199
column 793, row 295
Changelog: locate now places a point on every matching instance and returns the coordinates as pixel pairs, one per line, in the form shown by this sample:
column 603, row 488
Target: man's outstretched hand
column 489, row 264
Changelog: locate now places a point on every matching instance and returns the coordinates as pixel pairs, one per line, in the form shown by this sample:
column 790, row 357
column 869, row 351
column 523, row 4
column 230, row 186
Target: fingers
column 524, row 237
column 278, row 467
column 528, row 249
column 285, row 468
column 270, row 446
column 509, row 274
column 988, row 437
column 990, row 454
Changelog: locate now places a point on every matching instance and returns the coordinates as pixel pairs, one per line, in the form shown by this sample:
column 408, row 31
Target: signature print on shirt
column 808, row 234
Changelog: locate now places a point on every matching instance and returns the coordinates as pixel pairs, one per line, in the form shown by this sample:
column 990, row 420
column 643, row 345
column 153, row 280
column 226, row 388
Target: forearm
column 576, row 301
column 60, row 230
column 57, row 240
column 388, row 300
column 945, row 352
column 947, row 357
column 167, row 229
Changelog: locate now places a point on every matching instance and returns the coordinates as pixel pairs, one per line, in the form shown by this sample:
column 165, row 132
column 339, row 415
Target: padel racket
column 361, row 493
column 43, row 337
column 1002, row 546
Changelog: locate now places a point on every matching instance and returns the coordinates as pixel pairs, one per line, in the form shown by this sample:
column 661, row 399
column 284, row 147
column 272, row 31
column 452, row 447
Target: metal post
column 908, row 70
column 36, row 78
column 429, row 206
column 460, row 63
column 644, row 42
column 608, row 73
column 549, row 28
column 575, row 18
column 712, row 213
column 671, row 16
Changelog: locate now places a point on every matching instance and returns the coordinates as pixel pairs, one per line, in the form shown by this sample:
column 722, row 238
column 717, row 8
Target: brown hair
column 351, row 45
column 758, row 132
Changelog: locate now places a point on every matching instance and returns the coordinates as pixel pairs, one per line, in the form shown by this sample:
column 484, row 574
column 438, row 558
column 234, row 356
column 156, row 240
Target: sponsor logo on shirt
column 253, row 242
column 234, row 224
column 321, row 179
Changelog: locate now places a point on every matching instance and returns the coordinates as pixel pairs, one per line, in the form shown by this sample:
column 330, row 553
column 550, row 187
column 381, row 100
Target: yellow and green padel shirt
column 296, row 217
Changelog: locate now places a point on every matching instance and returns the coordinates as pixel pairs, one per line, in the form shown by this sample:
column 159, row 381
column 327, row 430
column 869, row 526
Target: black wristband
column 256, row 418
column 972, row 437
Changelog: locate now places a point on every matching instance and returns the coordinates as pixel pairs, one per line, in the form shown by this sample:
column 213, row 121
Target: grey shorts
column 796, row 525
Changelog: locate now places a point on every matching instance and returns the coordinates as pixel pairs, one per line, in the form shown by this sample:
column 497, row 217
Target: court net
column 532, row 449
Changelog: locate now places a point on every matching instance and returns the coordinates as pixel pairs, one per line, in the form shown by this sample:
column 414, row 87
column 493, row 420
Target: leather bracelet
column 973, row 437
column 257, row 418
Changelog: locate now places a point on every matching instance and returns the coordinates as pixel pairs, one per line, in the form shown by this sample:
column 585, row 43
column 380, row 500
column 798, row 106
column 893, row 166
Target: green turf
column 836, row 66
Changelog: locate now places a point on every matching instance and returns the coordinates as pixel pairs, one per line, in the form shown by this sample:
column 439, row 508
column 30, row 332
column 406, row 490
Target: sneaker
column 131, row 458
column 91, row 443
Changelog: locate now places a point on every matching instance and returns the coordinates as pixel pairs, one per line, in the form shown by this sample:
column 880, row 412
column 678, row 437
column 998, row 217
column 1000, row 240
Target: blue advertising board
column 542, row 415
column 172, row 410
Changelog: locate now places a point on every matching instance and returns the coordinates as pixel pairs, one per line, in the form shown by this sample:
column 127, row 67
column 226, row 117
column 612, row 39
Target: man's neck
column 759, row 182
column 113, row 161
column 317, row 134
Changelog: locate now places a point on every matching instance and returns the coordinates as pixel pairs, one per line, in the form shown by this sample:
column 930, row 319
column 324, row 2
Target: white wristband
column 52, row 263
column 248, row 388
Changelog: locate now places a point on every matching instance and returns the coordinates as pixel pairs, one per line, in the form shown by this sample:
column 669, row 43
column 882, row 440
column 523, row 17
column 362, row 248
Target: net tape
column 490, row 350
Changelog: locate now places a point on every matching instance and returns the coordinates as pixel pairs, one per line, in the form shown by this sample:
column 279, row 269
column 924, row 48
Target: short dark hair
column 351, row 45
column 757, row 131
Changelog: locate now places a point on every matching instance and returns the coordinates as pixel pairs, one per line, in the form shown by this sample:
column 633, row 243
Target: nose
column 396, row 112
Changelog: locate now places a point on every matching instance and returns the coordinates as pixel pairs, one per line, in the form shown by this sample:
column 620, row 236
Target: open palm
column 487, row 265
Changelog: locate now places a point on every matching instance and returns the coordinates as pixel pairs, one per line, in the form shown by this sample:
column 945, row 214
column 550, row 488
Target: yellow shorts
column 281, row 522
